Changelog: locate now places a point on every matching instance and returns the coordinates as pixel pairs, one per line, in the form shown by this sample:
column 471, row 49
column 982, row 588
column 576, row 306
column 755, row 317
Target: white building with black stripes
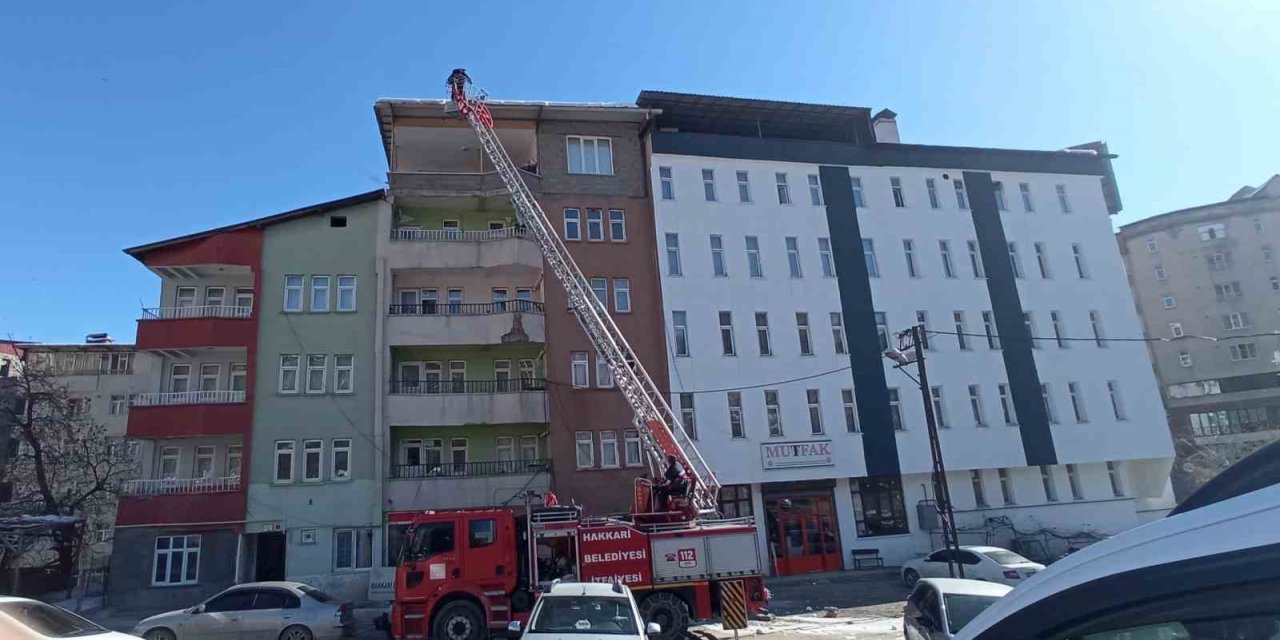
column 795, row 240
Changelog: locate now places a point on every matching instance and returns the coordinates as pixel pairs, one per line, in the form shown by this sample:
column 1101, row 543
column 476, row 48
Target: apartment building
column 1206, row 281
column 797, row 240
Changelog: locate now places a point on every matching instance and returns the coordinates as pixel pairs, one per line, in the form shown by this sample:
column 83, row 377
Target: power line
column 1101, row 339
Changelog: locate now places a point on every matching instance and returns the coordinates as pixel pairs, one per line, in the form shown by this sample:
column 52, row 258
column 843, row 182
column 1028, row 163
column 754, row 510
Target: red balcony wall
column 225, row 506
column 173, row 421
column 187, row 333
column 242, row 247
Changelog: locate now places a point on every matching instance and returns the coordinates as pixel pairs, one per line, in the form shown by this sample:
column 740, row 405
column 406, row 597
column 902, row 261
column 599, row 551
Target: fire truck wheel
column 459, row 620
column 669, row 611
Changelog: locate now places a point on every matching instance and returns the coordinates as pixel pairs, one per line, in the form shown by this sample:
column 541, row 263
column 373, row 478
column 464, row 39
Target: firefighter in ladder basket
column 674, row 485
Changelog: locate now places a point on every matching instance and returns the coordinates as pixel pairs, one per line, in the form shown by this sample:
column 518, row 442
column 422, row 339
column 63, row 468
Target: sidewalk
column 875, row 593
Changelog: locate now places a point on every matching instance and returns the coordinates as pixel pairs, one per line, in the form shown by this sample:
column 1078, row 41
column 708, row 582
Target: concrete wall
column 133, row 565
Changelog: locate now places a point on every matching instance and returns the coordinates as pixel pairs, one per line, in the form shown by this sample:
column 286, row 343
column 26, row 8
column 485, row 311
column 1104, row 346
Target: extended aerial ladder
column 660, row 429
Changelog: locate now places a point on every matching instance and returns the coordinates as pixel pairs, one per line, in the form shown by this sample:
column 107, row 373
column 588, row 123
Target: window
column 1014, row 260
column 962, row 337
column 1244, row 351
column 1006, row 405
column 284, row 461
column 989, row 327
column 1219, row 261
column 320, row 293
column 1006, row 487
column 631, row 448
column 680, row 333
column 293, row 294
column 1113, row 473
column 673, row 255
column 235, row 454
column 1211, row 232
column 317, row 366
column 340, row 463
column 1050, row 486
column 709, row 184
column 169, row 457
column 815, row 190
column 312, row 454
column 688, row 415
column 869, row 254
column 1077, row 402
column 850, row 410
column 1169, row 302
column 922, row 319
column 176, row 561
column 609, row 450
column 837, row 332
column 859, row 201
column 882, row 329
column 1047, row 396
column 343, row 369
column 119, row 405
column 1117, row 405
column 617, row 225
column 754, row 267
column 210, row 374
column 1275, row 283
column 239, row 376
column 878, row 507
column 1082, row 269
column 815, row 411
column 1059, row 337
column 793, row 256
column 1152, row 246
column 186, row 296
column 932, row 187
column 975, row 260
column 948, row 269
column 784, row 192
column 1227, row 291
column 744, row 188
column 586, row 449
column 1042, row 260
column 895, row 410
column 667, row 187
column 289, row 373
column 1175, row 329
column 909, row 252
column 734, row 501
column 962, row 199
column 214, row 296
column 975, row 406
column 899, row 198
column 939, row 408
column 1027, row 204
column 762, row 333
column 772, row 412
column 622, row 295
column 600, row 287
column 736, row 427
column 802, row 330
column 346, row 293
column 579, row 370
column 1235, row 320
column 572, row 224
column 1095, row 322
column 205, row 454
column 997, row 188
column 1030, row 324
column 1158, row 270
column 595, row 225
column 979, row 492
column 824, row 258
column 727, row 345
column 1184, row 358
column 352, row 549
column 1063, row 203
column 604, row 375
column 590, row 155
column 1257, row 225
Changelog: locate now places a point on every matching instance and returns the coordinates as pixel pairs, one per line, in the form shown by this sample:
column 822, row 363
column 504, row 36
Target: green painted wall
column 482, row 439
column 469, row 219
column 479, row 358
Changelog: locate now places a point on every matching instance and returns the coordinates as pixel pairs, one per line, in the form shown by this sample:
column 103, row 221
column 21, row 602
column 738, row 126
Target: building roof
column 87, row 348
column 1245, row 200
column 276, row 218
column 759, row 118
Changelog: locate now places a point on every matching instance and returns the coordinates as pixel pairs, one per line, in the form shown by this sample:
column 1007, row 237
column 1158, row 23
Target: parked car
column 256, row 611
column 1211, row 569
column 585, row 610
column 27, row 619
column 939, row 607
column 992, row 564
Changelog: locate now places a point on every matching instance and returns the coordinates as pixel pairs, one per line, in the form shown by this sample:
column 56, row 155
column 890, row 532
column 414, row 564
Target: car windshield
column 50, row 621
column 316, row 594
column 1005, row 557
column 584, row 614
column 961, row 608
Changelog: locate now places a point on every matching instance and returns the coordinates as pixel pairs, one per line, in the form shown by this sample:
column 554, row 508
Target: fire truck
column 465, row 573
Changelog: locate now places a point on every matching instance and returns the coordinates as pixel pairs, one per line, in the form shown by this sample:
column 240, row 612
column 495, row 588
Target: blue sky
column 124, row 123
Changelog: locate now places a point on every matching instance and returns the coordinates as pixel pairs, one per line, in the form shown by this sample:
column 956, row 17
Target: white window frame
column 235, row 458
column 997, row 189
column 948, row 267
column 975, row 406
column 324, row 373
column 119, row 404
column 184, row 554
column 238, row 371
column 859, row 198
column 1064, row 203
column 1117, row 483
column 609, row 450
column 1007, row 494
column 284, row 449
column 210, row 372
column 728, row 341
column 582, row 146
column 617, row 225
column 979, row 488
column 584, row 443
column 185, row 297
column 204, row 453
column 794, row 267
column 595, row 225
column 1117, row 400
column 358, row 537
column 688, row 414
column 825, row 259
column 755, row 266
column 1050, row 409
column 296, row 368
column 962, row 195
column 346, row 294
column 600, row 287
column 574, row 216
column 939, row 407
column 764, row 342
column 975, row 260
column 339, row 368
column 296, row 290
column 313, row 448
column 849, row 401
column 580, row 369
column 604, row 375
column 632, row 448
column 174, row 376
column 931, row 186
column 909, row 253
column 804, row 336
column 666, row 184
column 783, row 189
column 815, row 190
column 737, row 427
column 680, row 333
column 171, row 453
column 1073, row 482
column 1082, row 267
column 1028, row 204
column 622, row 295
column 744, row 187
column 1008, row 410
column 773, row 413
column 838, row 338
column 319, row 287
column 899, row 195
column 718, row 267
column 215, row 296
column 709, row 185
column 1078, row 409
column 1042, row 261
column 813, row 397
column 895, row 410
column 1049, row 483
column 672, row 243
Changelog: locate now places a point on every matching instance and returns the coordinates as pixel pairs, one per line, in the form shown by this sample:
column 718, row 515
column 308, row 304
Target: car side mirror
column 652, row 628
column 925, row 621
column 513, row 626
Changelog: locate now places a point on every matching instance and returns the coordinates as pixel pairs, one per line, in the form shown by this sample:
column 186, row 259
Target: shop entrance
column 803, row 535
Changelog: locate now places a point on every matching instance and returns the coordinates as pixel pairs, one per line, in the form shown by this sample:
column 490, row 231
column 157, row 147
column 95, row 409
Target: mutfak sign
column 803, row 453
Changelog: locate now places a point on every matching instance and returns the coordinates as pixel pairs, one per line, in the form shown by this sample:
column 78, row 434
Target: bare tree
column 60, row 462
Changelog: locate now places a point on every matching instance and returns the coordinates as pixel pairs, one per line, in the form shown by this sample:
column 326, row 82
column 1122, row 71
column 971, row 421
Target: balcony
column 446, row 402
column 179, row 328
column 433, row 184
column 222, row 505
column 189, row 413
column 188, row 397
column 413, row 248
column 430, row 323
column 461, row 486
column 179, row 486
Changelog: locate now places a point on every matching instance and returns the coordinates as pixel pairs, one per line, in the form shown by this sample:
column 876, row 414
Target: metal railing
column 443, row 387
column 188, row 397
column 202, row 311
column 456, row 235
column 469, row 469
column 179, row 486
column 435, row 308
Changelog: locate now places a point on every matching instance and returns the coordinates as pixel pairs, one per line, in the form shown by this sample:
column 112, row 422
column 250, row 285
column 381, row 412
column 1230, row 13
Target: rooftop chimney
column 885, row 126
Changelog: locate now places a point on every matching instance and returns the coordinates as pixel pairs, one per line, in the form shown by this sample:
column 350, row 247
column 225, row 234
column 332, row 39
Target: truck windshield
column 585, row 615
column 432, row 538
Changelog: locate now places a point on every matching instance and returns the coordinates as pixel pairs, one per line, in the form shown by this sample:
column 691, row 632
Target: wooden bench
column 867, row 559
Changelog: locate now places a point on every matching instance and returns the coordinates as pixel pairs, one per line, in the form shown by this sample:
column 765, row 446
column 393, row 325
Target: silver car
column 255, row 611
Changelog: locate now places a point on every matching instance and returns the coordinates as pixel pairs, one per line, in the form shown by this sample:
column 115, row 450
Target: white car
column 586, row 610
column 26, row 619
column 255, row 611
column 991, row 564
column 938, row 608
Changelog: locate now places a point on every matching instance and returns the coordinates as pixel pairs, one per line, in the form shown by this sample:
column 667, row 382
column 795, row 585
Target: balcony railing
column 179, row 486
column 434, row 308
column 468, row 469
column 443, row 387
column 188, row 397
column 203, row 311
column 455, row 235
